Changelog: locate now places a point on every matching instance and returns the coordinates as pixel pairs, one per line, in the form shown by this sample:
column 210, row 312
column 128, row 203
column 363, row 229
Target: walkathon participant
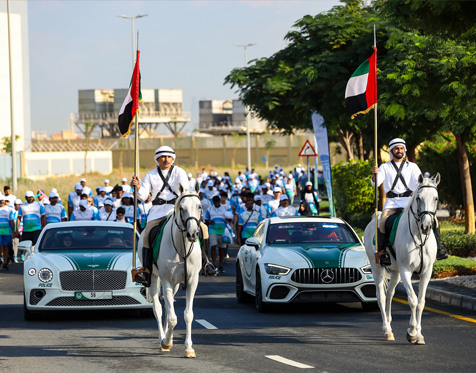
column 215, row 219
column 16, row 237
column 276, row 202
column 8, row 195
column 311, row 196
column 163, row 183
column 248, row 220
column 400, row 180
column 32, row 213
column 107, row 213
column 125, row 187
column 6, row 231
column 144, row 210
column 74, row 197
column 55, row 213
column 86, row 190
column 84, row 213
column 285, row 209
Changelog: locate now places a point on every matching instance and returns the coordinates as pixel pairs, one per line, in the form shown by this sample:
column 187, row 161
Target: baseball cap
column 54, row 190
column 124, row 179
column 53, row 195
column 258, row 198
column 299, row 164
column 106, row 181
column 83, row 179
column 267, row 185
column 210, row 183
column 283, row 196
column 18, row 201
column 29, row 194
column 98, row 187
column 83, row 202
column 108, row 202
column 277, row 190
column 308, row 183
column 46, row 201
column 189, row 175
column 78, row 186
column 2, row 197
column 102, row 189
column 126, row 195
column 101, row 204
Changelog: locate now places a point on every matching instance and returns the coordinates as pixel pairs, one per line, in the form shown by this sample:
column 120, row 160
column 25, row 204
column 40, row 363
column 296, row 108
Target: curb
column 453, row 295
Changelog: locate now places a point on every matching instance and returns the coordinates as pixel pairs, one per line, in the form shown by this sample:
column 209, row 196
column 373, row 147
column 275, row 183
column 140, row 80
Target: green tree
column 7, row 143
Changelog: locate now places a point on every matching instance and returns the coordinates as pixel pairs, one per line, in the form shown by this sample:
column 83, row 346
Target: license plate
column 92, row 295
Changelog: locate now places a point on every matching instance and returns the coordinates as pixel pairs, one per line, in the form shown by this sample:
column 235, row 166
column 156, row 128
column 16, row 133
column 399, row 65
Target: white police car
column 304, row 259
column 81, row 266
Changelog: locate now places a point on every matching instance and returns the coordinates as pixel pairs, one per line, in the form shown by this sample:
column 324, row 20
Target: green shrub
column 454, row 266
column 459, row 243
column 353, row 193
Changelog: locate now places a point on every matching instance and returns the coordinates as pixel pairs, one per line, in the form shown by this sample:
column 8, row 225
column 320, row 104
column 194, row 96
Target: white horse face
column 427, row 201
column 190, row 212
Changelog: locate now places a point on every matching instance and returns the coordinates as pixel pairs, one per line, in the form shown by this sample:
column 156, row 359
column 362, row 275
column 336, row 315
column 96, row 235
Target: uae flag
column 361, row 90
column 130, row 106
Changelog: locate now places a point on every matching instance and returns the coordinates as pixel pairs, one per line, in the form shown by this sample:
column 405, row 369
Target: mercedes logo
column 327, row 276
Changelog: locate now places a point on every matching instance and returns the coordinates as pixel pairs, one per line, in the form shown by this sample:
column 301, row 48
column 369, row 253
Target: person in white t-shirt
column 86, row 190
column 125, row 187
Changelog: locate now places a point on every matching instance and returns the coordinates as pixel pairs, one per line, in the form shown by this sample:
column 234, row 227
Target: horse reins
column 418, row 218
column 183, row 230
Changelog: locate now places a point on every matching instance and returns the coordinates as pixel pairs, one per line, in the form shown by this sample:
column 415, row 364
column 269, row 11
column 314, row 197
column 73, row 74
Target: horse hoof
column 389, row 337
column 411, row 339
column 420, row 341
column 166, row 347
column 190, row 354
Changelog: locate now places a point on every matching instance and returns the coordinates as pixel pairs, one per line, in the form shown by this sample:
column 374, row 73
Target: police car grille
column 315, row 276
column 71, row 302
column 94, row 280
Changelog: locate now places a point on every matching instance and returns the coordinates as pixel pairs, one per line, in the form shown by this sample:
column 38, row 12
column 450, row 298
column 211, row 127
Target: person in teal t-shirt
column 34, row 219
column 6, row 230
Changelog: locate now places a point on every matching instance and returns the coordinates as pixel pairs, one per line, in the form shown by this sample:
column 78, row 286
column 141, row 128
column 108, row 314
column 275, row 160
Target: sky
column 186, row 45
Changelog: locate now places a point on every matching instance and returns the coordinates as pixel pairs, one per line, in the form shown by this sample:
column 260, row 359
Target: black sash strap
column 399, row 176
column 165, row 180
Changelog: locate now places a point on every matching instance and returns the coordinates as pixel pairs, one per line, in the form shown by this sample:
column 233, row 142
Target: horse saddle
column 155, row 238
column 391, row 226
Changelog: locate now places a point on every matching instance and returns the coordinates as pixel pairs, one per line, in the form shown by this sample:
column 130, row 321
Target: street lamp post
column 248, row 142
column 12, row 115
column 133, row 43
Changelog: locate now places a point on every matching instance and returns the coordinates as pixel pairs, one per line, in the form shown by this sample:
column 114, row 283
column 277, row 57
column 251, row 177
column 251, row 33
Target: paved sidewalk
column 457, row 296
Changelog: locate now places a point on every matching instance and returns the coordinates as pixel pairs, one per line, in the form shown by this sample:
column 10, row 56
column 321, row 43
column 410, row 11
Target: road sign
column 307, row 150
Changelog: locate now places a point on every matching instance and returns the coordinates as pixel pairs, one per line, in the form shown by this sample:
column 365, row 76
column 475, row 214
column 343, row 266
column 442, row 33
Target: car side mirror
column 25, row 245
column 253, row 242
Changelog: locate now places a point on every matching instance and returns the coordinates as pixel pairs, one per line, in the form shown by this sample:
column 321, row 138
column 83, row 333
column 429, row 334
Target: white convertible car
column 81, row 265
column 304, row 259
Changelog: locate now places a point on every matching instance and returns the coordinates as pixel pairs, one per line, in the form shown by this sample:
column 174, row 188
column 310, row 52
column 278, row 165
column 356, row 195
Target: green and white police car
column 84, row 265
column 304, row 259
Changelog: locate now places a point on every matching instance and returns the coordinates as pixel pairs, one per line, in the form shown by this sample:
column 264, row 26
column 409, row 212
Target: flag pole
column 376, row 165
column 136, row 173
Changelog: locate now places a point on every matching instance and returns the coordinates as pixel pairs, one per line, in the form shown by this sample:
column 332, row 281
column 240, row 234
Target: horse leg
column 424, row 280
column 394, row 280
column 188, row 316
column 167, row 342
column 379, row 285
column 412, row 302
column 155, row 292
column 166, row 327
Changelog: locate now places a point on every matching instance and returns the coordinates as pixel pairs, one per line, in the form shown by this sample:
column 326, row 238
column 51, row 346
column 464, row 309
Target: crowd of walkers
column 232, row 209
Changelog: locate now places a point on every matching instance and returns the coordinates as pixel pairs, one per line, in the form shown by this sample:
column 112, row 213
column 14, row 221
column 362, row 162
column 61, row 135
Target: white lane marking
column 288, row 362
column 206, row 324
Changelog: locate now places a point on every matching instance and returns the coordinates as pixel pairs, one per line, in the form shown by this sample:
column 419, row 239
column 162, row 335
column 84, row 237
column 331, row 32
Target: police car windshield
column 310, row 232
column 86, row 238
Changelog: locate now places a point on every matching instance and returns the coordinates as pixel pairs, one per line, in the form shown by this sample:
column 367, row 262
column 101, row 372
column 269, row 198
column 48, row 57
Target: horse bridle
column 183, row 230
column 418, row 217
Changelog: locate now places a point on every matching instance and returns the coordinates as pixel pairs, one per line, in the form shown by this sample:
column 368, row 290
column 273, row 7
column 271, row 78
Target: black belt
column 391, row 194
column 161, row 201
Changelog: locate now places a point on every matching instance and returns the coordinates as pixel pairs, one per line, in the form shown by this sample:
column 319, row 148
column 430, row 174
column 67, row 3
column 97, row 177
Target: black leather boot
column 144, row 275
column 440, row 252
column 208, row 269
column 384, row 256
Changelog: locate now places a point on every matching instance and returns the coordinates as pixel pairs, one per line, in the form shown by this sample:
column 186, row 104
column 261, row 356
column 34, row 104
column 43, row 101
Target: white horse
column 415, row 247
column 179, row 261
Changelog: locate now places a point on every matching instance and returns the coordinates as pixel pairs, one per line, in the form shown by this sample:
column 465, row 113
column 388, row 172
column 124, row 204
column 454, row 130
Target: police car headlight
column 45, row 275
column 274, row 269
column 32, row 271
column 367, row 269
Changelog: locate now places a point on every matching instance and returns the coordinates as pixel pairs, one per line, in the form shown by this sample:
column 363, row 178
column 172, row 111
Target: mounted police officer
column 400, row 178
column 163, row 183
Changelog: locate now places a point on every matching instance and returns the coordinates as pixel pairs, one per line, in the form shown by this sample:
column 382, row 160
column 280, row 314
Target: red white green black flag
column 361, row 90
column 130, row 106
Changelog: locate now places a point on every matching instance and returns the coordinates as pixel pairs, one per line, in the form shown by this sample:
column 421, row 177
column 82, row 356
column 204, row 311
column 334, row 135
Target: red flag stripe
column 371, row 92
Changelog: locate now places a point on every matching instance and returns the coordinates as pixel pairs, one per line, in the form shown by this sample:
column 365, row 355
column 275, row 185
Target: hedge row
column 454, row 266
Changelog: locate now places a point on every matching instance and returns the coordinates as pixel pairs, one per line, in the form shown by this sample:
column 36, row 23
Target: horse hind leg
column 380, row 278
column 157, row 307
